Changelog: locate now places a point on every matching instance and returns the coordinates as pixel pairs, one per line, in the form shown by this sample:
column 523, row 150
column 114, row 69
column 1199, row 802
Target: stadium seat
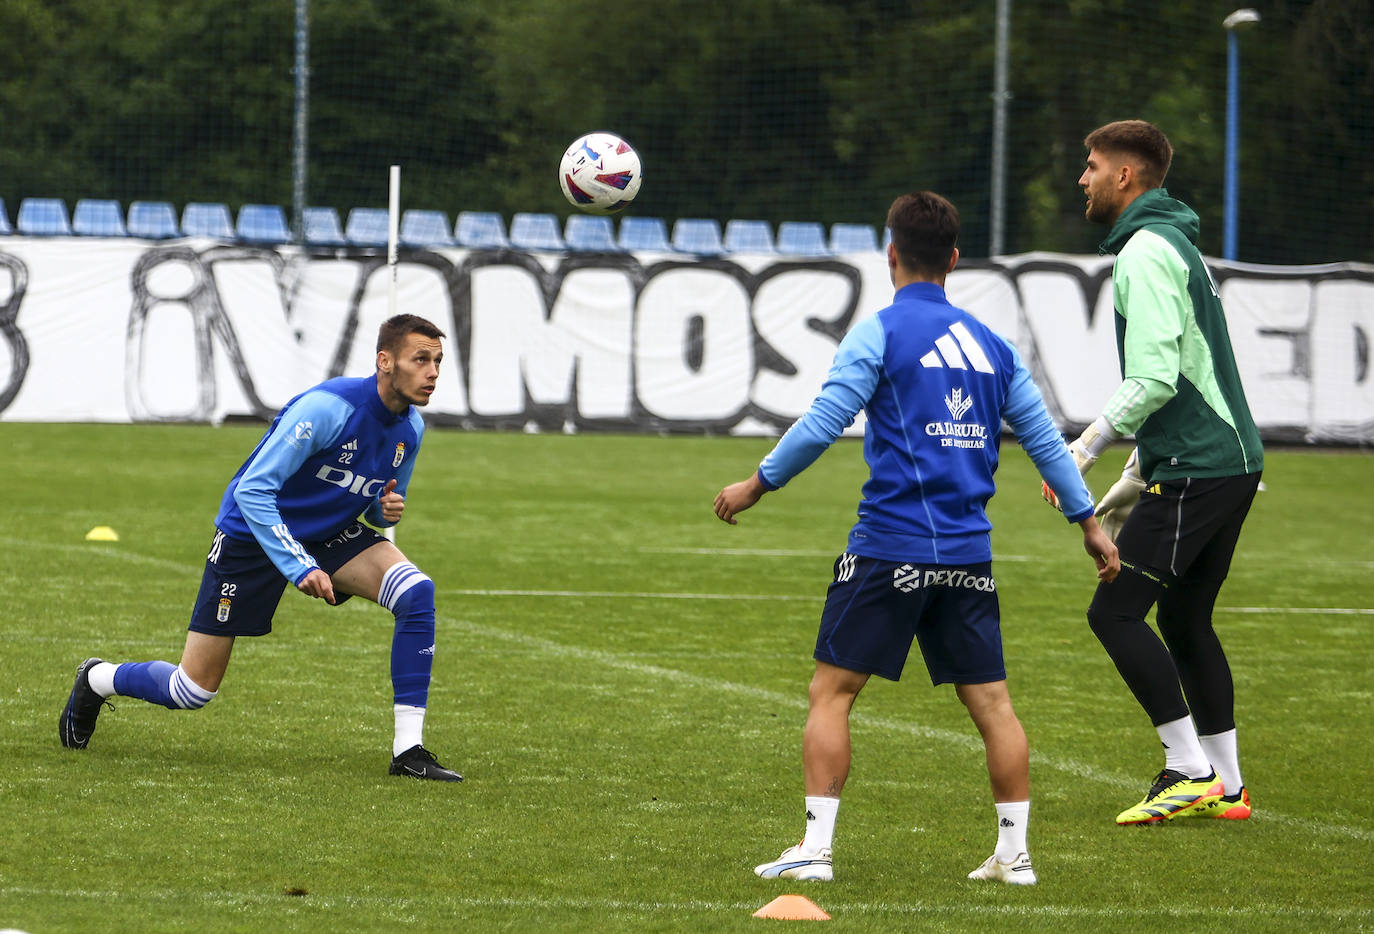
column 263, row 223
column 207, row 219
column 644, row 233
column 480, row 230
column 367, row 226
column 152, row 220
column 697, row 235
column 322, row 227
column 805, row 238
column 44, row 217
column 5, row 227
column 590, row 233
column 748, row 236
column 530, row 231
column 853, row 238
column 425, row 228
column 98, row 218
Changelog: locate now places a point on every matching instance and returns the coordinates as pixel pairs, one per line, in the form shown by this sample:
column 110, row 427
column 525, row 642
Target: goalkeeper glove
column 1085, row 450
column 1118, row 502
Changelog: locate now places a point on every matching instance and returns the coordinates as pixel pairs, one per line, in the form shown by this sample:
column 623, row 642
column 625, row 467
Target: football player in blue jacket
column 936, row 385
column 342, row 450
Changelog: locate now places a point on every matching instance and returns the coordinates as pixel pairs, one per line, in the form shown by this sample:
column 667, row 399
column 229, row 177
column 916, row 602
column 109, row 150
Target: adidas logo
column 351, row 445
column 428, row 651
column 1006, row 822
column 810, row 816
column 958, row 350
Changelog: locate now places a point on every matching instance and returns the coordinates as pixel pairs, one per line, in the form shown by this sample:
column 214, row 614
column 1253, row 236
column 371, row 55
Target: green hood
column 1153, row 207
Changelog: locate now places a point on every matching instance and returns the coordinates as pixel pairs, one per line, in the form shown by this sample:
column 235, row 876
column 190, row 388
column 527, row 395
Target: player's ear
column 953, row 260
column 384, row 361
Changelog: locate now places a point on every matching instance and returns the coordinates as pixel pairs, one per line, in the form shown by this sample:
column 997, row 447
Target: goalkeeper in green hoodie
column 1189, row 484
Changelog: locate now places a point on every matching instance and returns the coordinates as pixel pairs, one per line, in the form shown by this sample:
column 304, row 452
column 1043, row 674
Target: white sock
column 1012, row 817
column 1222, row 753
column 410, row 726
column 1182, row 751
column 820, row 822
column 101, row 676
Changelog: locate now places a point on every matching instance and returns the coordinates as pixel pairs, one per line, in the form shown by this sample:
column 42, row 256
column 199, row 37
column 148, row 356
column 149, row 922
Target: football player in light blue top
column 343, row 449
column 936, row 386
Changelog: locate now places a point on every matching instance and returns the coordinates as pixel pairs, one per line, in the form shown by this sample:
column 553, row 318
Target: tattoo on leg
column 833, row 790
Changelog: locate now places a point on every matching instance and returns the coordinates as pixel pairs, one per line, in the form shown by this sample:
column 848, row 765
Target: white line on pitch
column 819, row 595
column 1080, row 769
column 774, row 699
column 436, row 898
column 784, row 553
column 631, row 594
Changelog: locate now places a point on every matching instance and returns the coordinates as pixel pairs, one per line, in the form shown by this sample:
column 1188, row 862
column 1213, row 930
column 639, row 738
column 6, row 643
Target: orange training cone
column 792, row 908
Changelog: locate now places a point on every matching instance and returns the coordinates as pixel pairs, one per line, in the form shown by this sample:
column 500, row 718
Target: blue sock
column 409, row 593
column 160, row 683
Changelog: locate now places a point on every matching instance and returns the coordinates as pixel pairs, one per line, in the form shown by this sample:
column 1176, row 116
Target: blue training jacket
column 936, row 385
column 324, row 461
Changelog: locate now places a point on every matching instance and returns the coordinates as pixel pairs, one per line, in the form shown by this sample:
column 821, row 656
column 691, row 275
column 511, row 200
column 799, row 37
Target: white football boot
column 1016, row 872
column 800, row 864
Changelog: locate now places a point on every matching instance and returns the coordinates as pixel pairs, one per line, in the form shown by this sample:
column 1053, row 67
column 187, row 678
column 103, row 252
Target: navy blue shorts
column 874, row 608
column 241, row 587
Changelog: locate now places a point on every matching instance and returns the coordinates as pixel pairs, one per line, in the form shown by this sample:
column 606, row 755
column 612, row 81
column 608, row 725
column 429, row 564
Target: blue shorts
column 241, row 587
column 874, row 608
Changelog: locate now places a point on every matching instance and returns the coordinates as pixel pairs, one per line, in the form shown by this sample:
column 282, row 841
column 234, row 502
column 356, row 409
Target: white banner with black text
column 126, row 330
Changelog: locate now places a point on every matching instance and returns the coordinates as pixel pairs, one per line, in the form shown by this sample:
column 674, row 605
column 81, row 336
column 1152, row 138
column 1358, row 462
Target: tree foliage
column 773, row 109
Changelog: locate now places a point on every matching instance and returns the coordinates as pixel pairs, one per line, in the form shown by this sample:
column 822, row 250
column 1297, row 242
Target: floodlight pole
column 301, row 114
column 1231, row 182
column 997, row 196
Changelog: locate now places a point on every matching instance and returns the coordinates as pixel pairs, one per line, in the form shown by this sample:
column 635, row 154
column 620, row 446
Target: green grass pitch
column 622, row 679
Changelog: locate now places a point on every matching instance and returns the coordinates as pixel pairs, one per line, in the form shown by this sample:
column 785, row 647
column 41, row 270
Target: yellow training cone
column 102, row 533
column 792, row 908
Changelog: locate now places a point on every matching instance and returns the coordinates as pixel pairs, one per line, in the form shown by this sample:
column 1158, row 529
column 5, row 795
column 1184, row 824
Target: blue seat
column 425, row 228
column 480, row 230
column 263, row 223
column 590, row 233
column 853, row 238
column 207, row 219
column 98, row 217
column 44, row 217
column 530, row 231
column 367, row 226
column 805, row 238
column 697, row 235
column 153, row 220
column 748, row 236
column 5, row 227
column 322, row 227
column 644, row 233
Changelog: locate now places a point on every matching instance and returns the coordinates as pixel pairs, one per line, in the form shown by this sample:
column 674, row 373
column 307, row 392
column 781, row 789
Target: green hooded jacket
column 1181, row 394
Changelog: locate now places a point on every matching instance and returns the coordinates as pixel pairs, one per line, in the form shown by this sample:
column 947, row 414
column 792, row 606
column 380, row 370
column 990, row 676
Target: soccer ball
column 600, row 173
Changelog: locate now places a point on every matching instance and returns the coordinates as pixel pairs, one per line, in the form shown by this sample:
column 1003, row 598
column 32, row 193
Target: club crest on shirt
column 400, row 454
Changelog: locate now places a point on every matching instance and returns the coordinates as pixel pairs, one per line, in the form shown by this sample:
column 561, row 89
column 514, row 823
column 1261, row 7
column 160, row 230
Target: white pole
column 393, row 228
